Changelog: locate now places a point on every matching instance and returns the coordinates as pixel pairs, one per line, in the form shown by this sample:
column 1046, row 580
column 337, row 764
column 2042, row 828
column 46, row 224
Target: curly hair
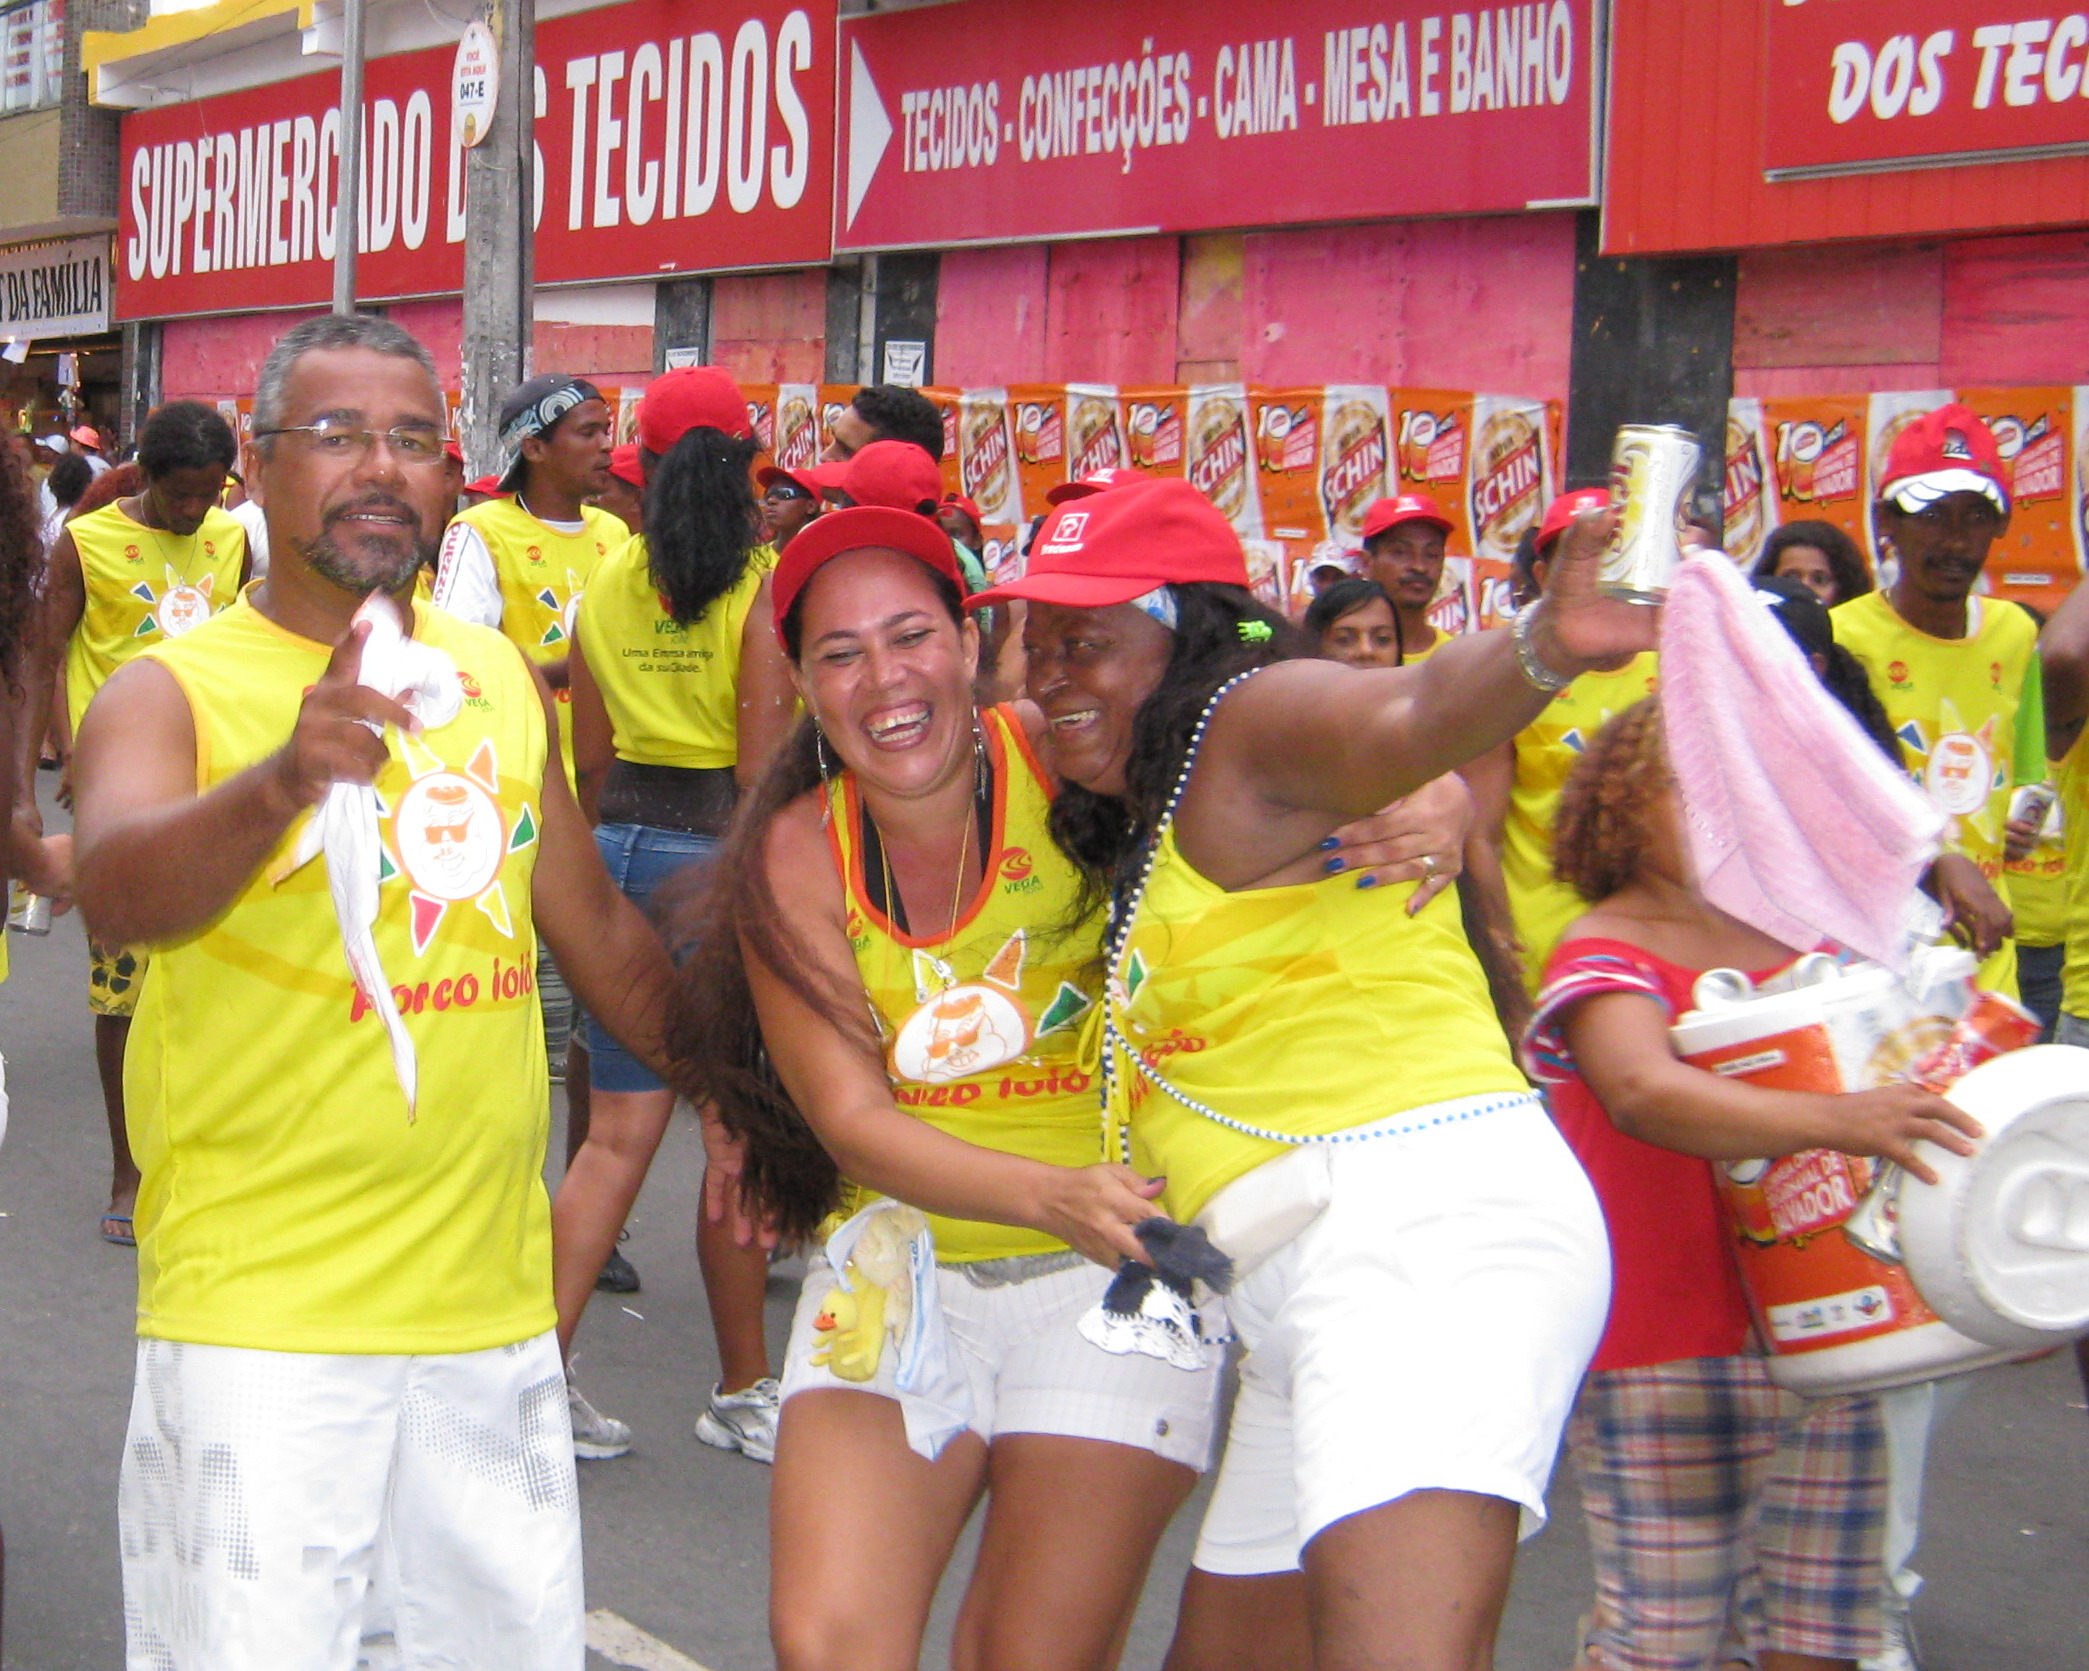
column 702, row 522
column 119, row 481
column 892, row 413
column 1845, row 562
column 21, row 562
column 1601, row 828
column 185, row 435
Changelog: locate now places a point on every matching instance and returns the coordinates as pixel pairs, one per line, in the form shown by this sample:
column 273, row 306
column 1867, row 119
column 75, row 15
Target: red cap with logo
column 1382, row 514
column 1950, row 450
column 1116, row 546
column 896, row 474
column 1096, row 481
column 859, row 528
column 690, row 397
column 1560, row 514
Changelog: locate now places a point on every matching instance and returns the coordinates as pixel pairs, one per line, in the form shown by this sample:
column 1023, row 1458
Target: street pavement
column 676, row 1533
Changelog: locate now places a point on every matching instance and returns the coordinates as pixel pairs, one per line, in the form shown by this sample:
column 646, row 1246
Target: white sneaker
column 1897, row 1650
column 743, row 1421
column 596, row 1437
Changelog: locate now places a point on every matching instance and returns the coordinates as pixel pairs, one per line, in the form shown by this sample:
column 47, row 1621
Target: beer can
column 2031, row 803
column 30, row 913
column 1652, row 469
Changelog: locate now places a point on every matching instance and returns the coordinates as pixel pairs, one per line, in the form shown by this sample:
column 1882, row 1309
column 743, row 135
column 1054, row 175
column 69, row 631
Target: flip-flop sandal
column 116, row 1230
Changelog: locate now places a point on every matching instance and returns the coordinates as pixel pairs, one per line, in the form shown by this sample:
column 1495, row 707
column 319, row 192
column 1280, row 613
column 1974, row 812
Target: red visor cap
column 1382, row 514
column 1115, row 546
column 859, row 528
column 690, row 397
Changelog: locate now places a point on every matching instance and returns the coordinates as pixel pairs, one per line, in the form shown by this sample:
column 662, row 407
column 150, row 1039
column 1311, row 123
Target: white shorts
column 1427, row 1331
column 287, row 1511
column 1029, row 1369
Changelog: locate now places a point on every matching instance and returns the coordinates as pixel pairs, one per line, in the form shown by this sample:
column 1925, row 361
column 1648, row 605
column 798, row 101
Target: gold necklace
column 964, row 854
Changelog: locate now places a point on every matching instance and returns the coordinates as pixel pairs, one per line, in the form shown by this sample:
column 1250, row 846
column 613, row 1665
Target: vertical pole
column 499, row 222
column 348, row 219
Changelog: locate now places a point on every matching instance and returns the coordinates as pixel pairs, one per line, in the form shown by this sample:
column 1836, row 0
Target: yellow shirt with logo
column 1306, row 1010
column 982, row 1026
column 1970, row 716
column 288, row 1202
column 2071, row 778
column 672, row 691
column 144, row 585
column 1546, row 750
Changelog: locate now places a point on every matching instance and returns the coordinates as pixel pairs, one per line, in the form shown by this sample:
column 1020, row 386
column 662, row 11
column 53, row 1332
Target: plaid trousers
column 1712, row 1495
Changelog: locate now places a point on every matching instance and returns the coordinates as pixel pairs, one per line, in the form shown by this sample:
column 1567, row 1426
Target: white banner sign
column 54, row 290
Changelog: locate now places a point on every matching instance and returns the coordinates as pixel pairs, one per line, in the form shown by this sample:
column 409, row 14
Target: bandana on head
column 1160, row 605
column 539, row 416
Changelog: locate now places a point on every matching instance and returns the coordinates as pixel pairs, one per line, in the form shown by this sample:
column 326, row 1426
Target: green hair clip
column 1255, row 632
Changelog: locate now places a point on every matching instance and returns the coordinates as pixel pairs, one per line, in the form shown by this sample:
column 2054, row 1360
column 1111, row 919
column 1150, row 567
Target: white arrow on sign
column 870, row 130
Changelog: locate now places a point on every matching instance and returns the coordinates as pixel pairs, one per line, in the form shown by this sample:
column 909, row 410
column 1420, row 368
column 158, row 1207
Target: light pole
column 500, row 194
column 348, row 224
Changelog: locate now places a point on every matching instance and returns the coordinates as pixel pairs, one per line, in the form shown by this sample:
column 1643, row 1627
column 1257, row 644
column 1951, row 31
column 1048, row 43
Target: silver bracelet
column 1528, row 661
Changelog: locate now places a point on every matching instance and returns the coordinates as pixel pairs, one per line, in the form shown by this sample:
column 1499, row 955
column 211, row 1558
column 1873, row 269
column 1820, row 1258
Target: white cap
column 57, row 443
column 1915, row 493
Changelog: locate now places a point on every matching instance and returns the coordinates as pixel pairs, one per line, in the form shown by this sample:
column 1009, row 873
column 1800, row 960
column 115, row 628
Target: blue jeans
column 639, row 858
column 2038, row 970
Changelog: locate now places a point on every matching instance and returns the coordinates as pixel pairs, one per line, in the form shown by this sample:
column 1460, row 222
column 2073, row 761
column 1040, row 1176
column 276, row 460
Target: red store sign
column 659, row 149
column 1005, row 119
column 1858, row 86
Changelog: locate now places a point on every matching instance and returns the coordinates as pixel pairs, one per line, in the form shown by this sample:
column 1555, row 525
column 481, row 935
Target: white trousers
column 290, row 1511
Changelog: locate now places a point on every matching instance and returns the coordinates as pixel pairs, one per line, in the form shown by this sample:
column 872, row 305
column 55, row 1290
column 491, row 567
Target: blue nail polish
column 1330, row 844
column 1367, row 881
column 1335, row 864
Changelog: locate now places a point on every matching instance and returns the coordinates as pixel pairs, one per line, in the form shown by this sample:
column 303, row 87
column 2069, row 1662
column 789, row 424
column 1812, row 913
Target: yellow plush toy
column 873, row 1295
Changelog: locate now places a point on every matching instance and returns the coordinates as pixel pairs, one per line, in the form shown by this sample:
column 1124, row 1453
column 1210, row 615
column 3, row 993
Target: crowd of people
column 1093, row 971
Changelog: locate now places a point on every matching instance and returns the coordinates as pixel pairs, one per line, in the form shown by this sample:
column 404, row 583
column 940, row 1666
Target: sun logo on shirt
column 1958, row 768
column 560, row 630
column 963, row 1028
column 177, row 608
column 452, row 839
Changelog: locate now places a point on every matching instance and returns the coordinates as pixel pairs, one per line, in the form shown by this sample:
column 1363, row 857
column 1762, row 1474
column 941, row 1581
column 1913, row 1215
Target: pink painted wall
column 770, row 327
column 1110, row 311
column 1484, row 304
column 990, row 316
column 440, row 327
column 1850, row 319
column 219, row 359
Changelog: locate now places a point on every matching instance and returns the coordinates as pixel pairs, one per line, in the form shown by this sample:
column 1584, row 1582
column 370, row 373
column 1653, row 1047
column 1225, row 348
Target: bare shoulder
column 1612, row 920
column 800, row 857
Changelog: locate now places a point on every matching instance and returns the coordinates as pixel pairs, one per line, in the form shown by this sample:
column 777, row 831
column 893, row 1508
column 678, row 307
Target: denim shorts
column 639, row 858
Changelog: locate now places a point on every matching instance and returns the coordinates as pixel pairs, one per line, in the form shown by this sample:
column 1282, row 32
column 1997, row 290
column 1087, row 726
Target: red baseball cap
column 1950, row 450
column 88, row 436
column 623, row 464
column 1096, row 481
column 1118, row 545
column 1382, row 514
column 858, row 528
column 966, row 504
column 896, row 474
column 690, row 397
column 1560, row 514
column 454, row 452
column 488, row 485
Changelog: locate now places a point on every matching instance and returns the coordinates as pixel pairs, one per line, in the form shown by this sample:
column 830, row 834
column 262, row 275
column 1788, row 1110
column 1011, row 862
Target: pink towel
column 1796, row 822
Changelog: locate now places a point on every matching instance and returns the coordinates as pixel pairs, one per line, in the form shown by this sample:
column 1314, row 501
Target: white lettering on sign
column 1127, row 107
column 1506, row 58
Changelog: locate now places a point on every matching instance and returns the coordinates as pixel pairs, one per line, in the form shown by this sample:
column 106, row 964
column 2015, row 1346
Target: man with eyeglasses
column 134, row 574
column 349, row 1403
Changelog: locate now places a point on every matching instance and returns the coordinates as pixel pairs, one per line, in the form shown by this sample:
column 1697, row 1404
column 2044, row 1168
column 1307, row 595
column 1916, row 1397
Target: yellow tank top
column 982, row 1028
column 1304, row 1010
column 672, row 691
column 2071, row 778
column 1546, row 750
column 144, row 586
column 287, row 1202
column 1967, row 731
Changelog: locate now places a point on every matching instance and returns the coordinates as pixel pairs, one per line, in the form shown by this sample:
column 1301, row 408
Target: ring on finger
column 1429, row 867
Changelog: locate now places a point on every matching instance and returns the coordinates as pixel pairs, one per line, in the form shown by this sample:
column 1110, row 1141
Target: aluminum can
column 2031, row 803
column 30, row 913
column 1652, row 469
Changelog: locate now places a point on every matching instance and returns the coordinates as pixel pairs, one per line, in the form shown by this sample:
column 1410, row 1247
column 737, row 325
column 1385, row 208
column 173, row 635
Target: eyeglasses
column 343, row 443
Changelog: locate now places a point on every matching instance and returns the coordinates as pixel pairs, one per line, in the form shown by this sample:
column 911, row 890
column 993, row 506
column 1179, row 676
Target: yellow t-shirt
column 288, row 1203
column 2071, row 778
column 1415, row 658
column 1305, row 1010
column 2038, row 890
column 672, row 691
column 1970, row 717
column 1546, row 750
column 143, row 586
column 982, row 1027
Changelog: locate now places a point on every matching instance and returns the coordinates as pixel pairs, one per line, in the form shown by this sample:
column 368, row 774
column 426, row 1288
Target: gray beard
column 327, row 560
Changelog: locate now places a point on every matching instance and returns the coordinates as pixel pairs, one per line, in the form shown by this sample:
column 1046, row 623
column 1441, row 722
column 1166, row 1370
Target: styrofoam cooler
column 1842, row 1301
